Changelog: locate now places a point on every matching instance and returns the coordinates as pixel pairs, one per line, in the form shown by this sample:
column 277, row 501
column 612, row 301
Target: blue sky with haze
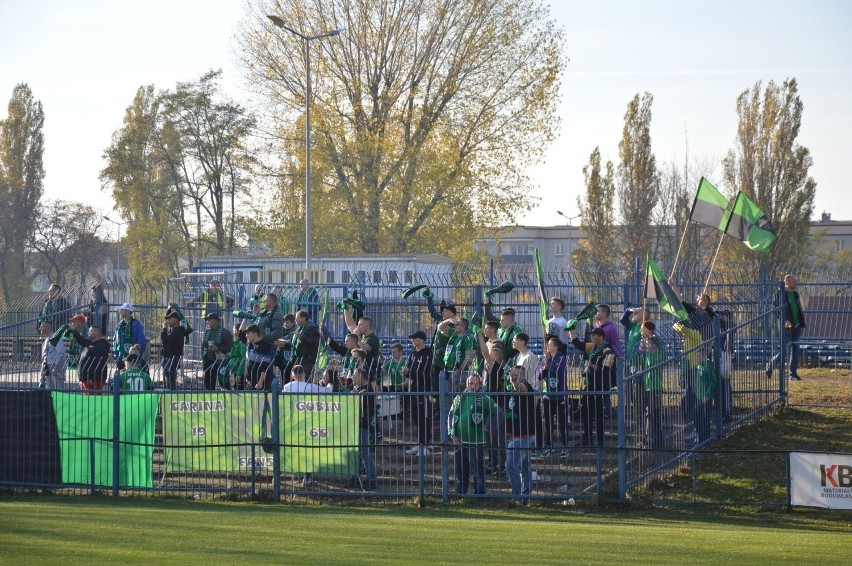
column 85, row 60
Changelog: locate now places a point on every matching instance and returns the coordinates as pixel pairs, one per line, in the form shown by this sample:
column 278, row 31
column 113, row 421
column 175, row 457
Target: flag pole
column 713, row 263
column 645, row 293
column 725, row 231
column 679, row 248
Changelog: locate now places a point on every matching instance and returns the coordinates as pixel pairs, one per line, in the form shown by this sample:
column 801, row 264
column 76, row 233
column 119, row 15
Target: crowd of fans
column 509, row 403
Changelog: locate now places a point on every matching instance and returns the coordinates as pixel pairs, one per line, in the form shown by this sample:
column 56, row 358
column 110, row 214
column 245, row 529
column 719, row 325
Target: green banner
column 216, row 431
column 320, row 433
column 85, row 427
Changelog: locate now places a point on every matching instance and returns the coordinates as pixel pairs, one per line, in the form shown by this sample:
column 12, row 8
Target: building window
column 345, row 276
column 393, row 278
column 377, row 276
column 522, row 249
column 409, row 277
column 329, row 277
column 362, row 277
column 559, row 251
column 253, row 277
column 838, row 246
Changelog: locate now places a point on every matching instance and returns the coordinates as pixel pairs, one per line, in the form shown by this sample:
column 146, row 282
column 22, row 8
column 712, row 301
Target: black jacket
column 420, row 369
column 173, row 340
column 93, row 359
column 782, row 299
column 307, row 344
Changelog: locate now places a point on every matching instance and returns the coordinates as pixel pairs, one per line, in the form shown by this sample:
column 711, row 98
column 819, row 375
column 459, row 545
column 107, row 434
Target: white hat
column 126, row 307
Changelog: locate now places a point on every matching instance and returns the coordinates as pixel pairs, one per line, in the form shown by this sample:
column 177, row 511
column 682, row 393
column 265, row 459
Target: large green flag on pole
column 542, row 297
column 709, row 206
column 747, row 223
column 656, row 287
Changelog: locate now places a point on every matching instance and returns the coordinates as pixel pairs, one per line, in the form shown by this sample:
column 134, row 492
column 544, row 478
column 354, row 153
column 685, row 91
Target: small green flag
column 656, row 287
column 588, row 311
column 709, row 207
column 747, row 223
column 322, row 357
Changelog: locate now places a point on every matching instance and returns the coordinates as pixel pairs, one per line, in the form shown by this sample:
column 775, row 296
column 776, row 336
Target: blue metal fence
column 255, row 460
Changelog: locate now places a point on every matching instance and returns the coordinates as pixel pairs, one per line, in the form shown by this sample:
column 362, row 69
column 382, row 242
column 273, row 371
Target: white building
column 379, row 276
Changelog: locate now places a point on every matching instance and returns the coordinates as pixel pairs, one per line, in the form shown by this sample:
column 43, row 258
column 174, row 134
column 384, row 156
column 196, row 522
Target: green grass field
column 131, row 530
column 86, row 530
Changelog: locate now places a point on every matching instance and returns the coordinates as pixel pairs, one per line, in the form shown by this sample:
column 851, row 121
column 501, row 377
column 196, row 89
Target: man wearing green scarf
column 215, row 347
column 128, row 332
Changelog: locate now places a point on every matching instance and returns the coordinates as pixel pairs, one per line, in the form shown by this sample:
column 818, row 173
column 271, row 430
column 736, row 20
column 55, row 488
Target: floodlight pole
column 307, row 41
column 118, row 226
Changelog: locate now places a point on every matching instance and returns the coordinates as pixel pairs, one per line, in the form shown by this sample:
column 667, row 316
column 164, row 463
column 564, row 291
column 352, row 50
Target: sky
column 84, row 60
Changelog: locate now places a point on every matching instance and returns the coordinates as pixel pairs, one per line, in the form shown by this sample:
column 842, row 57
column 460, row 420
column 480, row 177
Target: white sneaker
column 538, row 477
column 413, row 450
column 426, row 451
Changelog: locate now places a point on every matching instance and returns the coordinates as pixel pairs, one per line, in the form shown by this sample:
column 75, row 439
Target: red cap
column 77, row 318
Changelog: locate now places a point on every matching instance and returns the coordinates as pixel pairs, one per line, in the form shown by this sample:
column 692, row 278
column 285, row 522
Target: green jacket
column 135, row 380
column 439, row 348
column 705, row 381
column 460, row 350
column 469, row 416
column 653, row 380
column 393, row 370
column 237, row 359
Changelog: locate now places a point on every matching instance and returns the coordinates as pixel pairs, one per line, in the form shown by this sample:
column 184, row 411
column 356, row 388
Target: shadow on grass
column 612, row 515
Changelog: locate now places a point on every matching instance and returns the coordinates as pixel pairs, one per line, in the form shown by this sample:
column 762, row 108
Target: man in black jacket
column 305, row 343
column 92, row 367
column 215, row 347
column 54, row 306
column 418, row 373
column 173, row 337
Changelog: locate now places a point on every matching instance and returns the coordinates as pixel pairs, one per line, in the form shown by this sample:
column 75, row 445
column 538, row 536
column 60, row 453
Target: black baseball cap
column 419, row 334
column 212, row 316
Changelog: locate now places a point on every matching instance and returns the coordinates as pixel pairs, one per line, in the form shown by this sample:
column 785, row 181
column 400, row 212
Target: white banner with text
column 821, row 480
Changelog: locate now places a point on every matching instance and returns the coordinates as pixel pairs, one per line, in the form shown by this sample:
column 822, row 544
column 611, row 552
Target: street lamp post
column 570, row 218
column 307, row 39
column 118, row 226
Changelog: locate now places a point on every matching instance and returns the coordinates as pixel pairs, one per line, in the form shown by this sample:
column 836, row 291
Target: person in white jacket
column 53, row 357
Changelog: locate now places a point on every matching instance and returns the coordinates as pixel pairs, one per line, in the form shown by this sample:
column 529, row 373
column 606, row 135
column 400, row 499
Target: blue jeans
column 470, row 458
column 366, row 456
column 702, row 422
column 791, row 339
column 518, row 467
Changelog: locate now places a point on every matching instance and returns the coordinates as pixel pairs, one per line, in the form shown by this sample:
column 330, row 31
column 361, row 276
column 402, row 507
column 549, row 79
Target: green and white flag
column 709, row 207
column 747, row 223
column 84, row 424
column 542, row 297
column 320, row 433
column 658, row 288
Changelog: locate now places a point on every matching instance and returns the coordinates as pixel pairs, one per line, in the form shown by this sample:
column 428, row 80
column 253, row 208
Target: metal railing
column 647, row 434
